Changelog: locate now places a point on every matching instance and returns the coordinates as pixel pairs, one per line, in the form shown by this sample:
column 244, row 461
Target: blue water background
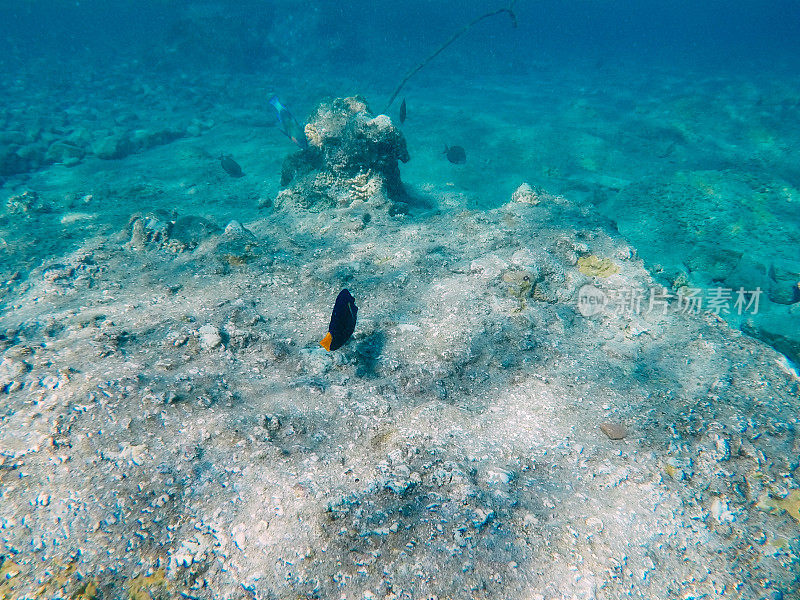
column 390, row 37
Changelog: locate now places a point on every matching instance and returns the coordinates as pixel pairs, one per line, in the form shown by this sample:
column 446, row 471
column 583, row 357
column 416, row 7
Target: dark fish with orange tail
column 343, row 322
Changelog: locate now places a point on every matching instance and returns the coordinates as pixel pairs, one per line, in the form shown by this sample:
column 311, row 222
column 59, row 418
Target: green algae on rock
column 594, row 266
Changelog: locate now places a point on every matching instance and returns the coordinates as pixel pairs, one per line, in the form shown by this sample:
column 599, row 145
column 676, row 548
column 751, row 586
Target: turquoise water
column 169, row 424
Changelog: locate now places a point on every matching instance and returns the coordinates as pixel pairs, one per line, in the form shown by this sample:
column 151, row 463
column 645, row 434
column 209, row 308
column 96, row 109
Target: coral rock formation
column 352, row 157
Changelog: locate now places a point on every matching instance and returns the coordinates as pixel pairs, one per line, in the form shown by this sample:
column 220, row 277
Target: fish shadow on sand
column 369, row 350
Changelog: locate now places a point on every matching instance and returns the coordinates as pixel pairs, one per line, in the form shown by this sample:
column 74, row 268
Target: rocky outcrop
column 352, row 157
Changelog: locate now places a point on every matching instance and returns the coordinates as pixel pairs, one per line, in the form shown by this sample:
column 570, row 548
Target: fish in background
column 288, row 124
column 455, row 154
column 343, row 322
column 230, row 166
column 403, row 111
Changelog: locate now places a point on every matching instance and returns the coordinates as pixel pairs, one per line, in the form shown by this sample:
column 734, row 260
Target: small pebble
column 614, row 431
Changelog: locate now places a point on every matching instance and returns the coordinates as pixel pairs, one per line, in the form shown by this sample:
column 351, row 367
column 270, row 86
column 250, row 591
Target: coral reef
column 352, row 158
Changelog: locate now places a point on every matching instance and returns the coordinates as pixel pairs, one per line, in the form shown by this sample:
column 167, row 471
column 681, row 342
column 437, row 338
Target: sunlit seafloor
column 573, row 374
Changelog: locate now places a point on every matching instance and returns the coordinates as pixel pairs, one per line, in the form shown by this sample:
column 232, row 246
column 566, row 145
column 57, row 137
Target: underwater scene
column 495, row 300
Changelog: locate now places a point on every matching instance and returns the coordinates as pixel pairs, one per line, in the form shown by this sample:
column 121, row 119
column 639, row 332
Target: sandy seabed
column 171, row 428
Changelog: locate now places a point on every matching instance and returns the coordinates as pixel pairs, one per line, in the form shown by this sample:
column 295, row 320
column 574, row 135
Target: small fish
column 343, row 322
column 456, row 154
column 288, row 124
column 403, row 111
column 231, row 167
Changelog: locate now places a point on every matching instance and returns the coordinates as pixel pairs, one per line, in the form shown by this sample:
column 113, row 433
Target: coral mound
column 352, row 157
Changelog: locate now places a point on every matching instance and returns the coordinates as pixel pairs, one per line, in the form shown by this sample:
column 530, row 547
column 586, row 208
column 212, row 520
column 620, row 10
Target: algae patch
column 791, row 504
column 64, row 580
column 594, row 266
column 142, row 587
column 521, row 285
column 61, row 580
column 8, row 571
